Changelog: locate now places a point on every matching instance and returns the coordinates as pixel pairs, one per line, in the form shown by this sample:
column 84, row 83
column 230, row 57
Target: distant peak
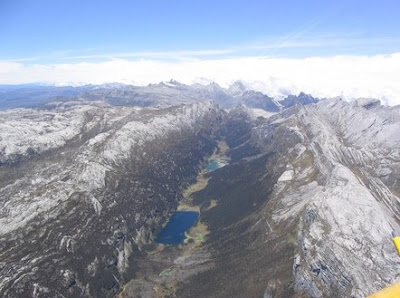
column 170, row 83
column 174, row 82
column 214, row 85
column 237, row 88
column 368, row 103
column 239, row 84
column 302, row 99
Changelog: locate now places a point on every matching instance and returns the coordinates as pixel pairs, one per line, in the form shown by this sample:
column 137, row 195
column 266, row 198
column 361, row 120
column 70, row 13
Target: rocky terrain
column 304, row 208
column 86, row 187
column 340, row 188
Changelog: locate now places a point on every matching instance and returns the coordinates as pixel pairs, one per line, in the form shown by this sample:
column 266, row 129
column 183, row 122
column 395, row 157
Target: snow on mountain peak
column 237, row 88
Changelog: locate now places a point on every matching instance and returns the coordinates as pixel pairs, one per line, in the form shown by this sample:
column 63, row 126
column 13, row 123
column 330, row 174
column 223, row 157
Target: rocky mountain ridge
column 162, row 95
column 341, row 182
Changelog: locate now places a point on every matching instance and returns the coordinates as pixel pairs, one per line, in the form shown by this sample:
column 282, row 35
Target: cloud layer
column 348, row 76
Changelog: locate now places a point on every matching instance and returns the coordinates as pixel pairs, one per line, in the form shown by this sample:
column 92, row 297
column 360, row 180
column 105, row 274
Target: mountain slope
column 346, row 209
column 75, row 211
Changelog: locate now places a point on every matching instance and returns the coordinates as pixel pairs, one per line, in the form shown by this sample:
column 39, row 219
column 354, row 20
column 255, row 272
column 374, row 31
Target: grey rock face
column 342, row 191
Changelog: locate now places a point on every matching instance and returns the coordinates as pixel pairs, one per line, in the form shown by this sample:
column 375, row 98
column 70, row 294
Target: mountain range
column 164, row 94
column 303, row 204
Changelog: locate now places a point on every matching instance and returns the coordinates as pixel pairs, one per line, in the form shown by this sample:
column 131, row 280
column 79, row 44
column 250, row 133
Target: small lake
column 179, row 223
column 214, row 164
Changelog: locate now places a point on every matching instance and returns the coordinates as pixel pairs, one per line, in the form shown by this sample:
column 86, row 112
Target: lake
column 214, row 164
column 179, row 223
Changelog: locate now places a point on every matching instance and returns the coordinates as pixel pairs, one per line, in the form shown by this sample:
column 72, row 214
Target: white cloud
column 349, row 76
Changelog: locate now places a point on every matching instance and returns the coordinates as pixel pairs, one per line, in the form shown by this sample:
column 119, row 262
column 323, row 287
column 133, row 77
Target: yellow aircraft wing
column 392, row 291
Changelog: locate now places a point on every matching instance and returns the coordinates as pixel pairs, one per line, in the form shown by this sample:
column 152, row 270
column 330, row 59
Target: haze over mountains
column 156, row 95
column 348, row 76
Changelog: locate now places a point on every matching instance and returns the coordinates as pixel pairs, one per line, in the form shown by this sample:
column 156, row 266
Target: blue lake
column 178, row 224
column 212, row 165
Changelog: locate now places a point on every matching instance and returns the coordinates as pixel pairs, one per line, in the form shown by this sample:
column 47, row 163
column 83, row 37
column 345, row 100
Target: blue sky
column 348, row 48
column 44, row 31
